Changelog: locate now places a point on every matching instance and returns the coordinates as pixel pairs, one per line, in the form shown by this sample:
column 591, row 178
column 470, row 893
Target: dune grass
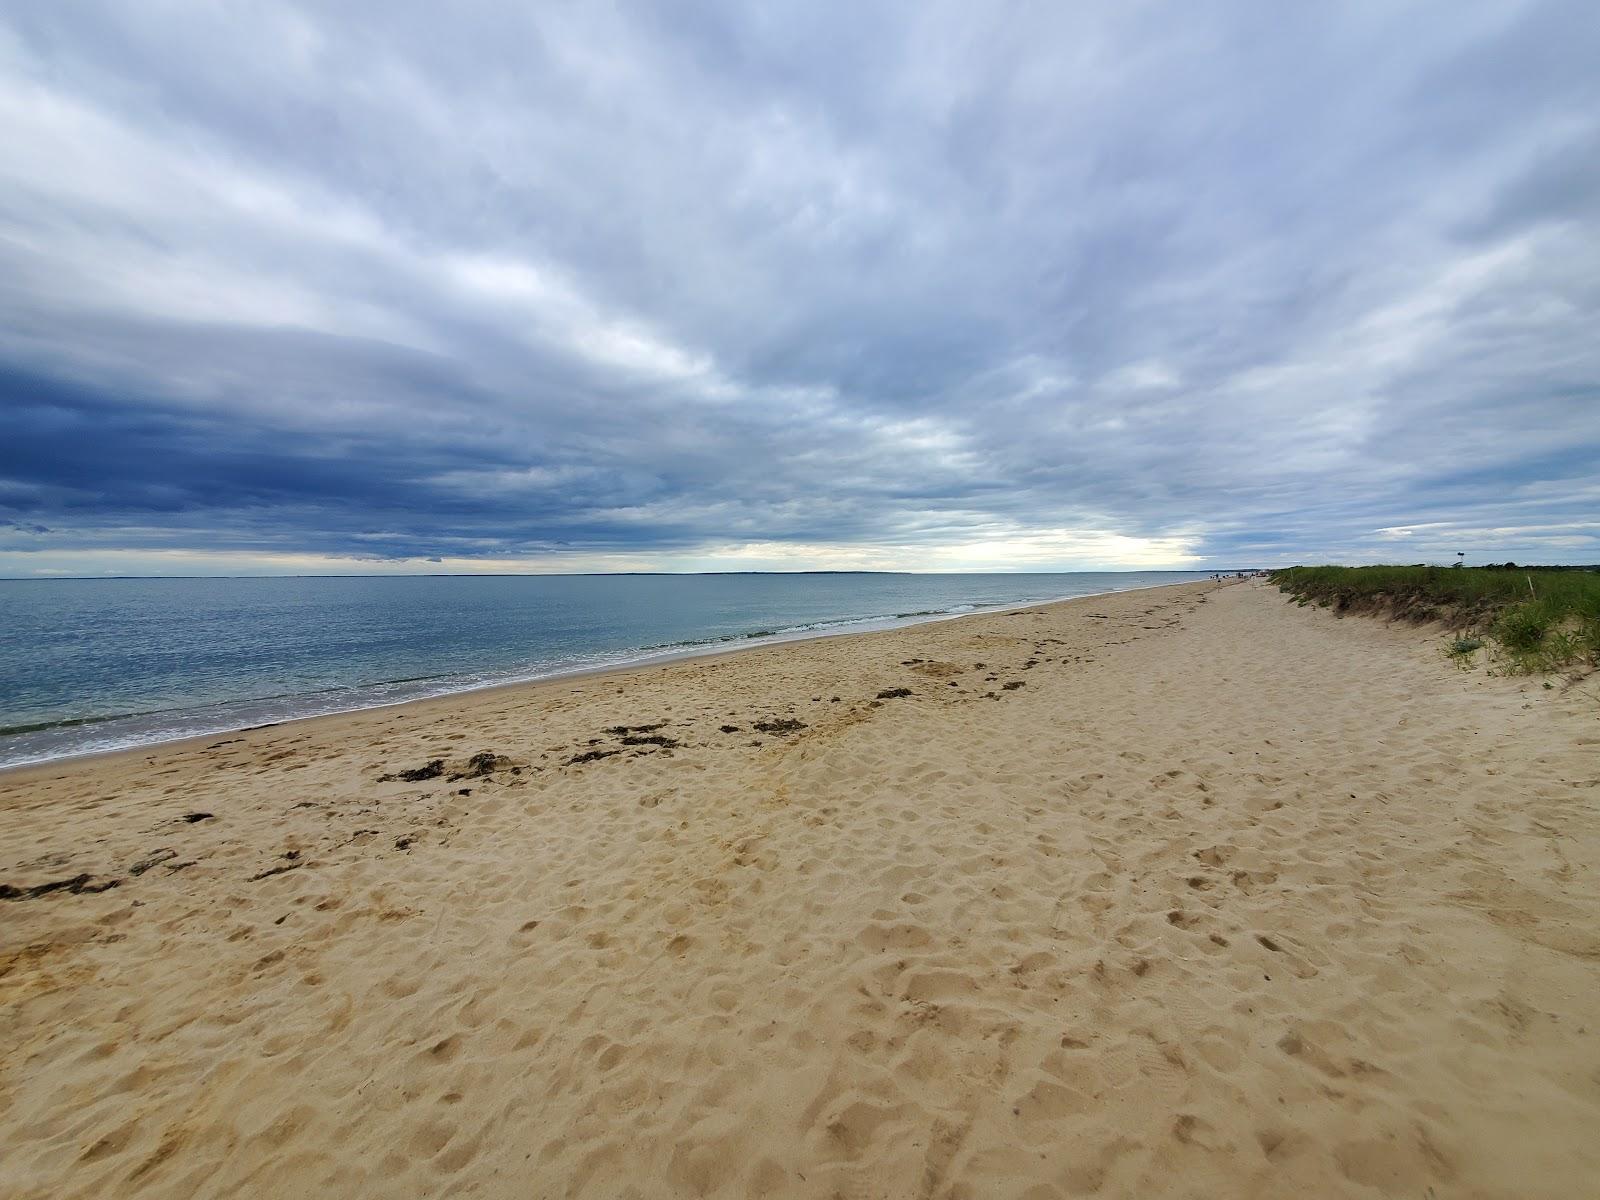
column 1537, row 619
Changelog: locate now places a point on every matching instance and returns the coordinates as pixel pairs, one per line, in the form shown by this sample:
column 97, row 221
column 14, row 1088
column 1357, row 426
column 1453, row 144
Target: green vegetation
column 1461, row 650
column 1538, row 618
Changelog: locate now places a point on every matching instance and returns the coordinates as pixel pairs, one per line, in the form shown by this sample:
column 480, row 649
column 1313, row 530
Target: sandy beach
column 1178, row 892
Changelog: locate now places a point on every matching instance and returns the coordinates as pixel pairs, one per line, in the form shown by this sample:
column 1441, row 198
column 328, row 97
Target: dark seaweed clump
column 429, row 770
column 482, row 764
column 781, row 725
column 77, row 885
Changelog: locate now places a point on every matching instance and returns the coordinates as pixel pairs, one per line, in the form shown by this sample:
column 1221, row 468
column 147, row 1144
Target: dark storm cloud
column 1086, row 285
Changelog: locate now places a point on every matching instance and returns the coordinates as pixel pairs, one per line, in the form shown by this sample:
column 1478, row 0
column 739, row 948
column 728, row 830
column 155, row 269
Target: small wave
column 80, row 722
column 70, row 723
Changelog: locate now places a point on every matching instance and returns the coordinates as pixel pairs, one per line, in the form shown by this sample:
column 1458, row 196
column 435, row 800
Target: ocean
column 100, row 664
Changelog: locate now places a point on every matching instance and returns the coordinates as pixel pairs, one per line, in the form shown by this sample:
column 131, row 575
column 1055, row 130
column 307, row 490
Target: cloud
column 303, row 287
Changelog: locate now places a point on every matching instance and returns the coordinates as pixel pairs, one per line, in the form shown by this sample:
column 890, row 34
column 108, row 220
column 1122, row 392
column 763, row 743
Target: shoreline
column 1171, row 892
column 645, row 661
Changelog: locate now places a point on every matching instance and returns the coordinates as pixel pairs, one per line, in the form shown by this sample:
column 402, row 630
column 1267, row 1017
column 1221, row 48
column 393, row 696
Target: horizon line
column 614, row 574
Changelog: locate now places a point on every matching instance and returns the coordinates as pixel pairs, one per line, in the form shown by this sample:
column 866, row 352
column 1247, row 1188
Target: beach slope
column 1179, row 892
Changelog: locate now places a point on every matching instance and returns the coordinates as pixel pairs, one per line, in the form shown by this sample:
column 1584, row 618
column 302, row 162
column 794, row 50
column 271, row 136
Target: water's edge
column 602, row 665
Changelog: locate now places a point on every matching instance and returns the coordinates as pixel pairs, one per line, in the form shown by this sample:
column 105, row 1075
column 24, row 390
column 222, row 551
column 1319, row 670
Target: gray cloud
column 1107, row 285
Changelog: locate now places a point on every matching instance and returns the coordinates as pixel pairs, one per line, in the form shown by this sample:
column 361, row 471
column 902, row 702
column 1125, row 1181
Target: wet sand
column 1180, row 892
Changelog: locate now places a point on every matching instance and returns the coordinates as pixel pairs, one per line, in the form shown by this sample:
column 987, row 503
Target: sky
column 403, row 287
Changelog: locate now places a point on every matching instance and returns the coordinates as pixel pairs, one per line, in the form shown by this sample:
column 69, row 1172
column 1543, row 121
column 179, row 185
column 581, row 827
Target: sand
column 1182, row 892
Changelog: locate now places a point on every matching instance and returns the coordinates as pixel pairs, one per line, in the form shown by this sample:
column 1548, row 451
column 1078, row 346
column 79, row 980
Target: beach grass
column 1536, row 618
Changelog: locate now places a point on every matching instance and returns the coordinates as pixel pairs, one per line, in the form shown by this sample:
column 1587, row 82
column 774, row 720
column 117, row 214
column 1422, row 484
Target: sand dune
column 1184, row 892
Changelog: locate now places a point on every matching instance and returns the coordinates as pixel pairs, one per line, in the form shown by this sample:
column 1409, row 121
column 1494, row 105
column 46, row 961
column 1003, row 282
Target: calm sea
column 98, row 664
